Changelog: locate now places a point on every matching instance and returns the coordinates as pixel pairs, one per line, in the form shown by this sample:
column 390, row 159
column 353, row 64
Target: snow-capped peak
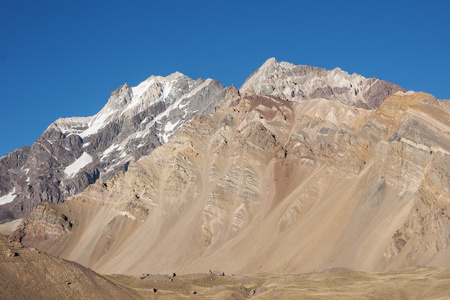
column 128, row 100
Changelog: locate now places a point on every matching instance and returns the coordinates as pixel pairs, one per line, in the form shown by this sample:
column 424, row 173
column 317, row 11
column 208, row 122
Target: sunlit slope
column 269, row 185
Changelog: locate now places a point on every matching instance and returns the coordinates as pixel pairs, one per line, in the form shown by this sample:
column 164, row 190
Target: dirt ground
column 26, row 273
column 413, row 283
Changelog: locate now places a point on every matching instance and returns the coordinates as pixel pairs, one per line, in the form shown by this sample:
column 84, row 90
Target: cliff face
column 265, row 184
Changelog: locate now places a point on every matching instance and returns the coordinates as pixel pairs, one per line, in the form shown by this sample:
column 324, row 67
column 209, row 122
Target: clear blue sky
column 63, row 58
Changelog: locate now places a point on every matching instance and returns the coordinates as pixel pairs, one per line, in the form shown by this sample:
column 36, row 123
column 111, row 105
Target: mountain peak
column 270, row 61
column 176, row 74
column 290, row 82
column 79, row 150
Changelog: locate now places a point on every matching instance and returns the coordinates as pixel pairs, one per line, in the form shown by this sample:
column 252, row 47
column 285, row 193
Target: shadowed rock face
column 265, row 184
column 75, row 152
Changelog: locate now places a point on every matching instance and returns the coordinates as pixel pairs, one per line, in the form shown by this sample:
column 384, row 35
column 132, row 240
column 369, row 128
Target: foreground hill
column 29, row 274
column 270, row 185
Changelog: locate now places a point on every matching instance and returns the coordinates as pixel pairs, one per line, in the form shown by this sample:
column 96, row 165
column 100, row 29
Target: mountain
column 290, row 82
column 269, row 183
column 75, row 152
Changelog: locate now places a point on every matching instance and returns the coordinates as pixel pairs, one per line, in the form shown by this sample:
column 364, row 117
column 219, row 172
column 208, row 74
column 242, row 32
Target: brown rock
column 286, row 186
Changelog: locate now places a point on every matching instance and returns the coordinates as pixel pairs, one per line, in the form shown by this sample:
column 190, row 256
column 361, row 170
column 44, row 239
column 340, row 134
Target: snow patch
column 139, row 90
column 183, row 105
column 171, row 126
column 72, row 125
column 81, row 162
column 98, row 122
column 8, row 197
column 141, row 134
column 167, row 88
column 108, row 151
column 168, row 130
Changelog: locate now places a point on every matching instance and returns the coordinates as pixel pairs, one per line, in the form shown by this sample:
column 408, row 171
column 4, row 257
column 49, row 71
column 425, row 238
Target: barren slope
column 29, row 274
column 268, row 185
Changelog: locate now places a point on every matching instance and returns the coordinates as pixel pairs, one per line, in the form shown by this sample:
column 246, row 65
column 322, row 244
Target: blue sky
column 63, row 58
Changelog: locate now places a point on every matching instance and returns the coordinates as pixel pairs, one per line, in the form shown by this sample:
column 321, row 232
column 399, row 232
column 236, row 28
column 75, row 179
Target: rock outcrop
column 291, row 82
column 48, row 226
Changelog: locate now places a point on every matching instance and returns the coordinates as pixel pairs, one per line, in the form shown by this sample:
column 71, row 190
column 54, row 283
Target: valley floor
column 26, row 273
column 412, row 283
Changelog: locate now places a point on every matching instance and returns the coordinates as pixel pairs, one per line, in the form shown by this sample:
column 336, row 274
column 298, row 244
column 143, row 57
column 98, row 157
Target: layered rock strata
column 270, row 185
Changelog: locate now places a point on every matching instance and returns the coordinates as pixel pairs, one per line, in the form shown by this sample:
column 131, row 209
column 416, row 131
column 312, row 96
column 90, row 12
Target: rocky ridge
column 290, row 82
column 75, row 152
column 270, row 185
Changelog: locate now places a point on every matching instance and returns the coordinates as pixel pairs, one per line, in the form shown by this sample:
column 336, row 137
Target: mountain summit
column 291, row 82
column 75, row 152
